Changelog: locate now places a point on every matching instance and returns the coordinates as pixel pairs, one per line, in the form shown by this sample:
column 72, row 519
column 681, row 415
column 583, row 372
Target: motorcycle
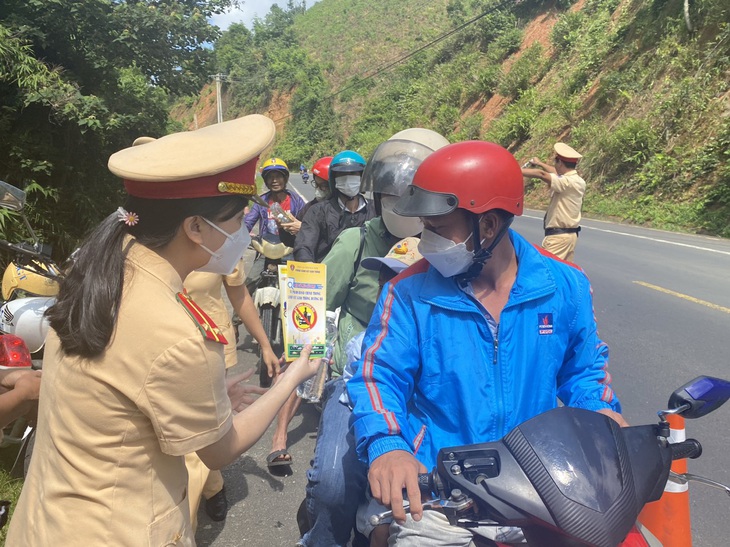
column 29, row 286
column 267, row 297
column 569, row 477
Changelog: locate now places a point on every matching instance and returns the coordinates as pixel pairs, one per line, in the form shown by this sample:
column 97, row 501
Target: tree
column 79, row 81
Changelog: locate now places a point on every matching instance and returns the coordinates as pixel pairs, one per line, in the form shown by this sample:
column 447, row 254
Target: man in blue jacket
column 485, row 333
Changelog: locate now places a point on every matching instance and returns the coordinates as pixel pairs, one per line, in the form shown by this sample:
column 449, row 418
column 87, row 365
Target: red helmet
column 321, row 167
column 474, row 175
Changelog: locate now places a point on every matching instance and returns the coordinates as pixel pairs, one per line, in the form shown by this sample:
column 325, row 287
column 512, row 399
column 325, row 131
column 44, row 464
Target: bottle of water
column 311, row 389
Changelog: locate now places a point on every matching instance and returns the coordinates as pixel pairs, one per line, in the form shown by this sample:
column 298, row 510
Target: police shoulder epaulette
column 201, row 319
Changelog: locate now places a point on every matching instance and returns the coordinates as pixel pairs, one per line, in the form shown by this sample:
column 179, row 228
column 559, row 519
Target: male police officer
column 562, row 218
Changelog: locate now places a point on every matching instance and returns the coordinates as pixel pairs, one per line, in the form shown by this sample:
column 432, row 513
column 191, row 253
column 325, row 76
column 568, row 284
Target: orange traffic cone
column 668, row 518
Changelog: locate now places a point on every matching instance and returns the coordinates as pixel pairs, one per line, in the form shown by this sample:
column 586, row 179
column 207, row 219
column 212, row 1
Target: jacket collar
column 534, row 280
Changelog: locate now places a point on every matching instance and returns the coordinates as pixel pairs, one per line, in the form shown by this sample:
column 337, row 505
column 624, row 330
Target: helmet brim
column 417, row 202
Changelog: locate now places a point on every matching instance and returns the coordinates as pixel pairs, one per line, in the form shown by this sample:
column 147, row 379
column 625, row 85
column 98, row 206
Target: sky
column 249, row 10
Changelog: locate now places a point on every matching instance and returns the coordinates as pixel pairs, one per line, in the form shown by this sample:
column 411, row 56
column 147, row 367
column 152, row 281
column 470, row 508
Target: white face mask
column 447, row 257
column 348, row 185
column 321, row 195
column 400, row 227
column 224, row 260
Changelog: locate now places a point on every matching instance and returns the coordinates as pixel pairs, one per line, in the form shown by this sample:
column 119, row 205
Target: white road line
column 678, row 244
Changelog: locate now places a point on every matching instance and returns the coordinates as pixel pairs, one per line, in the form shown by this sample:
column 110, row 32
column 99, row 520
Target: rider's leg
column 433, row 530
column 283, row 419
column 337, row 479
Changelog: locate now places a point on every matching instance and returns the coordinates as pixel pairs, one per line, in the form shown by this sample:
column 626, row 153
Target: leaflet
column 304, row 308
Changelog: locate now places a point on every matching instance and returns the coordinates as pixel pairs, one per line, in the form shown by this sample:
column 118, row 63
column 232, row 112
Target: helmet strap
column 482, row 255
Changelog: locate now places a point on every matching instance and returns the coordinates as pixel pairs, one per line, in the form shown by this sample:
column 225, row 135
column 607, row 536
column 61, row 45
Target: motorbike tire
column 269, row 316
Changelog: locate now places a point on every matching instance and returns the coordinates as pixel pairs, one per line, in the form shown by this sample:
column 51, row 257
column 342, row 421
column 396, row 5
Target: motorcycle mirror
column 702, row 395
column 11, row 198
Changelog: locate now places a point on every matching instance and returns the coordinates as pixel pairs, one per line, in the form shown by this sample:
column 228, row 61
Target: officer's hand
column 303, row 367
column 240, row 393
column 272, row 362
column 389, row 474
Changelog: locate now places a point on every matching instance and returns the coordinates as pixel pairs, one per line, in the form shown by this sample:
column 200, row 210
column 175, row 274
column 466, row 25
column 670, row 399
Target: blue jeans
column 337, row 480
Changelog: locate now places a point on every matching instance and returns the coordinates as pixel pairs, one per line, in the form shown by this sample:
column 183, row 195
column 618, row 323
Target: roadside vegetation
column 638, row 86
column 626, row 82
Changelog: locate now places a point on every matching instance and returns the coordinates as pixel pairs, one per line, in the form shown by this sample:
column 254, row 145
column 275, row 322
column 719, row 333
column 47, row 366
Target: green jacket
column 355, row 292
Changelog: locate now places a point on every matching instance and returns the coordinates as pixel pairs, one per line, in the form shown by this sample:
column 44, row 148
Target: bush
column 515, row 125
column 566, row 32
column 471, row 129
column 527, row 69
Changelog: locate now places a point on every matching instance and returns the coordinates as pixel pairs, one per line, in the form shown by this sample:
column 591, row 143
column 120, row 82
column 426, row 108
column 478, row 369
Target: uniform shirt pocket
column 172, row 528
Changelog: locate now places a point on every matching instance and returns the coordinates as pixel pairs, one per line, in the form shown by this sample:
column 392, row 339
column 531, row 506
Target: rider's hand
column 292, row 227
column 389, row 474
column 614, row 415
column 29, row 385
column 240, row 393
column 8, row 378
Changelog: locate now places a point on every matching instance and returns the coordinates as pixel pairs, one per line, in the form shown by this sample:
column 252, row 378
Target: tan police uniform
column 563, row 216
column 206, row 290
column 108, row 463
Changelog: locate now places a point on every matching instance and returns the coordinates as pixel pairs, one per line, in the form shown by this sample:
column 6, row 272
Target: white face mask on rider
column 321, row 195
column 447, row 257
column 224, row 260
column 348, row 184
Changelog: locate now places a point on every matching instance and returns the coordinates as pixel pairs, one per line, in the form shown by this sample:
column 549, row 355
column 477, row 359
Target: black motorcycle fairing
column 578, row 472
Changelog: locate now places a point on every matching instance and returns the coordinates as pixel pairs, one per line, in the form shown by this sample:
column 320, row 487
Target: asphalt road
column 662, row 302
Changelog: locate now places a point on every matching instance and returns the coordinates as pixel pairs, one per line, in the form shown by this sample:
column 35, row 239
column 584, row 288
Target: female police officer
column 133, row 370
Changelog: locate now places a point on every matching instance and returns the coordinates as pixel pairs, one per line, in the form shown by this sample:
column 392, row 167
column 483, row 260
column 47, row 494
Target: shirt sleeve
column 558, row 183
column 383, row 380
column 583, row 379
column 340, row 263
column 185, row 396
column 253, row 216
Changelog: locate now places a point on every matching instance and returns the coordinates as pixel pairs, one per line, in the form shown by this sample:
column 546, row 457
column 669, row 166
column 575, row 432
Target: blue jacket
column 433, row 375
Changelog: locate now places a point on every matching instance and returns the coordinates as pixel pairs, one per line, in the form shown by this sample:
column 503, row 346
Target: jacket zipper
column 498, row 378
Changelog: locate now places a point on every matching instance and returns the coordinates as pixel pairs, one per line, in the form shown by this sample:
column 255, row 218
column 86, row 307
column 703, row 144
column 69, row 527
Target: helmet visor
column 392, row 166
column 417, row 202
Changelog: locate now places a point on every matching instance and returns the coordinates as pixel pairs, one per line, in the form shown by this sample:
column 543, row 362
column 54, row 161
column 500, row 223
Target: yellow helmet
column 24, row 279
column 274, row 164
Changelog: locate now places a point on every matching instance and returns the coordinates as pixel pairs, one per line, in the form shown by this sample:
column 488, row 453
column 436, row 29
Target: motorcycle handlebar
column 691, row 448
column 425, row 483
column 22, row 249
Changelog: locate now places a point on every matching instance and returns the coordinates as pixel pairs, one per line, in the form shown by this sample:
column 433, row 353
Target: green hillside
column 626, row 82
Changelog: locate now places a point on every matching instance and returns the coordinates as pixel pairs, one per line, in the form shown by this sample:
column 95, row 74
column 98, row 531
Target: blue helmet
column 348, row 161
column 345, row 162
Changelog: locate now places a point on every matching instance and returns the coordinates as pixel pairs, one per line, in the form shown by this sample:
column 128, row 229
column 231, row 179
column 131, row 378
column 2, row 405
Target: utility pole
column 219, row 102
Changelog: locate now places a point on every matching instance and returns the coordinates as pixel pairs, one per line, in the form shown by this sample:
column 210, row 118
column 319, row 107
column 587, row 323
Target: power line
column 391, row 64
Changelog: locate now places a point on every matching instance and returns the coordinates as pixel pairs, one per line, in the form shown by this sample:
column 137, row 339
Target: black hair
column 85, row 313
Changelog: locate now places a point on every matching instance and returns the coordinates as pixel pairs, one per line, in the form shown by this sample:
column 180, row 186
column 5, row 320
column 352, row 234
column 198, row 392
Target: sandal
column 278, row 458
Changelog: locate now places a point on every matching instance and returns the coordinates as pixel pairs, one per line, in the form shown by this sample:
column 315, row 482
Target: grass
column 9, row 486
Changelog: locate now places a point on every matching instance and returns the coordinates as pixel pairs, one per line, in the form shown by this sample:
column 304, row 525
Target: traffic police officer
column 562, row 219
column 133, row 374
